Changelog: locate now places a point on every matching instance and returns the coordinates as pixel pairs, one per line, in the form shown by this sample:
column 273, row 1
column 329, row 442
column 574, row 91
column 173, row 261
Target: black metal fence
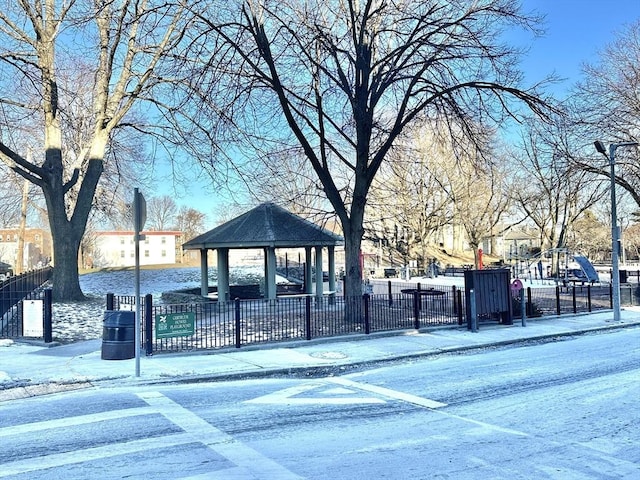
column 300, row 317
column 15, row 289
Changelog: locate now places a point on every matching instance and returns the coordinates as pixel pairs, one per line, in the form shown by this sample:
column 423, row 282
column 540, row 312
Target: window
column 164, row 253
column 146, row 253
column 121, row 253
column 37, row 237
column 122, row 243
column 163, row 240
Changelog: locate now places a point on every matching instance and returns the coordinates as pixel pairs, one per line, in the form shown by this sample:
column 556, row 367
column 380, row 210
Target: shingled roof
column 267, row 225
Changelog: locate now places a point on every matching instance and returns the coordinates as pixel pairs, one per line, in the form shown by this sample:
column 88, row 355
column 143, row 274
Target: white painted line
column 288, row 396
column 72, row 421
column 79, row 456
column 423, row 402
column 387, row 392
column 200, row 430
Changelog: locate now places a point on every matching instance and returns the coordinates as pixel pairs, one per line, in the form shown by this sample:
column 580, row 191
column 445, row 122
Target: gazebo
column 267, row 227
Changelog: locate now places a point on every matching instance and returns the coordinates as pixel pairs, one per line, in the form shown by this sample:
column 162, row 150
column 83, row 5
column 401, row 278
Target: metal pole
column 615, row 269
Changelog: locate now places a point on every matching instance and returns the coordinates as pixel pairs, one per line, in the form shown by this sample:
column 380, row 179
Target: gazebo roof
column 267, row 225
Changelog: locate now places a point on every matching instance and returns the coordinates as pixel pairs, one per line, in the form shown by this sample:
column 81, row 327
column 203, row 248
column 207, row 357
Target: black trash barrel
column 118, row 335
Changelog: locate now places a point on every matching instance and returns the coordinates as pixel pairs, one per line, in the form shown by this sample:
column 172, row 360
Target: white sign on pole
column 33, row 318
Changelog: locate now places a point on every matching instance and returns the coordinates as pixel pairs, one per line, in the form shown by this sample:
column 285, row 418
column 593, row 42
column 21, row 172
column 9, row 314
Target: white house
column 117, row 248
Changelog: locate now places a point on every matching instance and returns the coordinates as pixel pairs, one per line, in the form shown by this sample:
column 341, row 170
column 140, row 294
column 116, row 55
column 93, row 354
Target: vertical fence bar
column 389, row 293
column 237, row 322
column 458, row 304
column 611, row 294
column 589, row 297
column 523, row 308
column 48, row 315
column 307, row 316
column 367, row 326
column 416, row 309
column 529, row 305
column 575, row 307
column 110, row 298
column 148, row 324
column 557, row 300
column 455, row 298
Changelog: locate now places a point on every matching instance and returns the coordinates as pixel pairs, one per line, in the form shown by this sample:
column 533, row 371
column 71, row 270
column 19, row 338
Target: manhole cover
column 329, row 355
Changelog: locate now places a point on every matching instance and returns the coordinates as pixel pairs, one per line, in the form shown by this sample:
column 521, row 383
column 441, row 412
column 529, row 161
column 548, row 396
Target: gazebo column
column 204, row 273
column 308, row 286
column 223, row 275
column 270, row 273
column 332, row 273
column 319, row 275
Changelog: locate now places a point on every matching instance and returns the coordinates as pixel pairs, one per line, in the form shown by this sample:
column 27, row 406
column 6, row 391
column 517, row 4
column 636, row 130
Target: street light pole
column 615, row 232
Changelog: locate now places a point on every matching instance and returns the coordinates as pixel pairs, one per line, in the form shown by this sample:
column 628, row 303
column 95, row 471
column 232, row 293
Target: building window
column 146, row 239
column 122, row 243
column 132, row 254
column 37, row 237
column 146, row 253
column 164, row 253
column 121, row 253
column 163, row 240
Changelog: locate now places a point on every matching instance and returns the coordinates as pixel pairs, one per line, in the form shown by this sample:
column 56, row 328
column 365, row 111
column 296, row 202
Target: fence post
column 148, row 324
column 48, row 315
column 367, row 327
column 557, row 299
column 529, row 306
column 589, row 297
column 611, row 294
column 458, row 304
column 575, row 307
column 523, row 308
column 307, row 316
column 455, row 304
column 416, row 309
column 237, row 321
column 390, row 295
column 110, row 301
column 474, row 318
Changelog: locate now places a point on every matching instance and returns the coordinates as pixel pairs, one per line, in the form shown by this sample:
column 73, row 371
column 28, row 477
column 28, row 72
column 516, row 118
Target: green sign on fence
column 170, row 325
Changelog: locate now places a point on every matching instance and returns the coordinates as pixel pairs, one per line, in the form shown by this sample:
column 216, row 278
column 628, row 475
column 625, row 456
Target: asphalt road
column 563, row 410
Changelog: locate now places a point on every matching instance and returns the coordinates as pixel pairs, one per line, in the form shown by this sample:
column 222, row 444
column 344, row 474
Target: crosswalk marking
column 74, row 421
column 89, row 454
column 387, row 392
column 202, row 431
column 289, row 396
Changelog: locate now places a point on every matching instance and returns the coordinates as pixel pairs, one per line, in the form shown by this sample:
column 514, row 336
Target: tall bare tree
column 552, row 193
column 161, row 212
column 606, row 107
column 114, row 47
column 343, row 79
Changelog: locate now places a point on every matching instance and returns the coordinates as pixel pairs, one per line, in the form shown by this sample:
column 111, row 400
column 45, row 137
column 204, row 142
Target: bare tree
column 342, row 80
column 190, row 222
column 121, row 45
column 407, row 207
column 552, row 193
column 161, row 212
column 606, row 106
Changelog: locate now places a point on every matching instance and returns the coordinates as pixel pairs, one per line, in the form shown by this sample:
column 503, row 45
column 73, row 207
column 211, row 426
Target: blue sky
column 576, row 30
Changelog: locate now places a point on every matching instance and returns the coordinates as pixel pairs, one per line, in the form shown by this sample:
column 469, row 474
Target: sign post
column 139, row 218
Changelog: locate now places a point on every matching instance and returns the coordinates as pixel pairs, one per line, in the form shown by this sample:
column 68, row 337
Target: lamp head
column 600, row 147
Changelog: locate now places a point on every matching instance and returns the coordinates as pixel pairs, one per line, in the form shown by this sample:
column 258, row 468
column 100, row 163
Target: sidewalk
column 35, row 369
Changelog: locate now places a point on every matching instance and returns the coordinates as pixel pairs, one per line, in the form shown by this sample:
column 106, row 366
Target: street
column 560, row 410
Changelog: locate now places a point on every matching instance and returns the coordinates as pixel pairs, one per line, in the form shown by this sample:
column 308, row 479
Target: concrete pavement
column 28, row 369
